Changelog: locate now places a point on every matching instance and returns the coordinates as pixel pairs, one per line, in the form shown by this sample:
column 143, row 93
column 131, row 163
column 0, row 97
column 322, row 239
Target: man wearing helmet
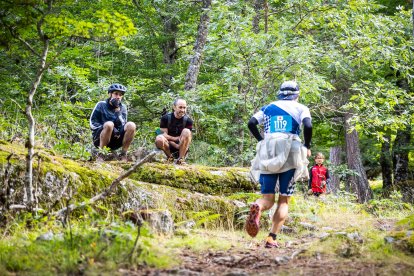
column 280, row 156
column 109, row 124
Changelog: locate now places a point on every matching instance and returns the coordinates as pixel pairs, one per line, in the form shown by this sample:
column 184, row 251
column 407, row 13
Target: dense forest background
column 352, row 59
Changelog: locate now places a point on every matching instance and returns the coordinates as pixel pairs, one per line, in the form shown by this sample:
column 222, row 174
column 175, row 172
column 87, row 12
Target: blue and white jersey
column 282, row 116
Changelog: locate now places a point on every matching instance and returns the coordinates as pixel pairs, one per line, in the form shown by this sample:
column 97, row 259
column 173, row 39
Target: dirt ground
column 287, row 260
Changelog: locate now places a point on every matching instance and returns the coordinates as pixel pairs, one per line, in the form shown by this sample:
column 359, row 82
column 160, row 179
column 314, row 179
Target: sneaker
column 180, row 161
column 252, row 222
column 100, row 158
column 170, row 159
column 123, row 156
column 271, row 243
column 112, row 156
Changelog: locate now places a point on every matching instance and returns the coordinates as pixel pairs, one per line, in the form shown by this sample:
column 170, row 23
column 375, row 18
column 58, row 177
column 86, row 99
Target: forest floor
column 250, row 257
column 329, row 236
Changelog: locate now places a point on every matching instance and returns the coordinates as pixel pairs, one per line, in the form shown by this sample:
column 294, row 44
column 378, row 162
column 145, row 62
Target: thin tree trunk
column 335, row 158
column 400, row 159
column 241, row 145
column 402, row 180
column 386, row 165
column 239, row 132
column 358, row 182
column 266, row 15
column 258, row 8
column 196, row 60
column 170, row 45
column 31, row 140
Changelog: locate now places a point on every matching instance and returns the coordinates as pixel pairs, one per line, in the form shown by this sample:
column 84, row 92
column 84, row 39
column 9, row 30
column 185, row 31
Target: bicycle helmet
column 117, row 87
column 289, row 90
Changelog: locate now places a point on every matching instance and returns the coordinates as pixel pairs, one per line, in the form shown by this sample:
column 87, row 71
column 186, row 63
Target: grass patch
column 341, row 214
column 204, row 240
column 372, row 249
column 245, row 197
column 85, row 247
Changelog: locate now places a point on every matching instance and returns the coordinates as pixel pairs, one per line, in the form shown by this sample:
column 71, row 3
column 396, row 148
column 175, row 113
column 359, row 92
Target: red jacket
column 317, row 174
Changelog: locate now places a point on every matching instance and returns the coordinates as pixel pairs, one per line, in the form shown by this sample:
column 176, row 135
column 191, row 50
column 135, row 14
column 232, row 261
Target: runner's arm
column 252, row 125
column 307, row 132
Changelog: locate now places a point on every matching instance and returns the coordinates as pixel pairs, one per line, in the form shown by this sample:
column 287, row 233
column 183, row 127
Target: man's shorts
column 286, row 183
column 114, row 143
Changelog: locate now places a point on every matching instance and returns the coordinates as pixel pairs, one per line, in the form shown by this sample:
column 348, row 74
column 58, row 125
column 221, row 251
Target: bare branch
column 108, row 191
column 28, row 46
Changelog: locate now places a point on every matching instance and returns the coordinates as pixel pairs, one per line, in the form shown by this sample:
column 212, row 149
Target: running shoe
column 271, row 243
column 123, row 156
column 170, row 160
column 253, row 219
column 181, row 161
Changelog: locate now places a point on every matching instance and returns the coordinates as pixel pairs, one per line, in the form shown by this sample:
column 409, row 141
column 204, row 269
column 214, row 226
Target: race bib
column 281, row 123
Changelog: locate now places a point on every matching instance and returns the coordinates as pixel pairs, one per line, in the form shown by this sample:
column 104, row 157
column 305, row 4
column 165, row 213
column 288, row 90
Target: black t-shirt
column 176, row 125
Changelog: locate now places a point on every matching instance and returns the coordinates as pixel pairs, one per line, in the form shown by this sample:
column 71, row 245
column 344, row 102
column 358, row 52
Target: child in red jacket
column 318, row 176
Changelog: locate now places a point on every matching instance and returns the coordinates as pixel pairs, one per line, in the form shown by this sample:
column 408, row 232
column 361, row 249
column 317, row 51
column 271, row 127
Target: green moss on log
column 208, row 210
column 185, row 191
column 84, row 180
column 207, row 180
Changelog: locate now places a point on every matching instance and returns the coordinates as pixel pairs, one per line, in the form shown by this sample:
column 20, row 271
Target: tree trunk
column 266, row 16
column 386, row 165
column 402, row 181
column 195, row 62
column 239, row 132
column 258, row 8
column 169, row 47
column 31, row 140
column 335, row 158
column 358, row 182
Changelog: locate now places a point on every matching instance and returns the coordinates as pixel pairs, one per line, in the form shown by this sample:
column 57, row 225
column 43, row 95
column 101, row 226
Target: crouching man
column 109, row 124
column 176, row 136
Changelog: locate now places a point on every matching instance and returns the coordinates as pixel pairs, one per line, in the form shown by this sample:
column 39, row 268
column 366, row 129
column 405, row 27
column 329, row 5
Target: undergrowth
column 347, row 229
column 202, row 240
column 81, row 246
column 101, row 242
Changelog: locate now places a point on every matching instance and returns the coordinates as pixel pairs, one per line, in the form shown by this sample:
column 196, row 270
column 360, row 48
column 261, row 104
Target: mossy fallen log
column 59, row 181
column 207, row 180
